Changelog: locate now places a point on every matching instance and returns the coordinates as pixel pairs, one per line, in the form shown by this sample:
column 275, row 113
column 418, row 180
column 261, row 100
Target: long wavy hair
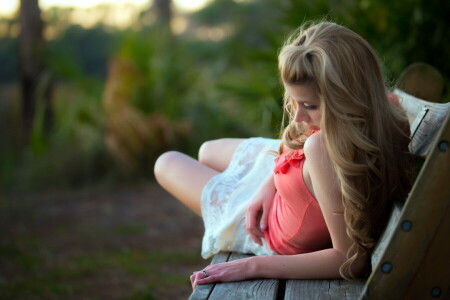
column 364, row 133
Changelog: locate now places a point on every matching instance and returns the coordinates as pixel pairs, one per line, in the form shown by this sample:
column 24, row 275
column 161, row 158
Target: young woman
column 318, row 208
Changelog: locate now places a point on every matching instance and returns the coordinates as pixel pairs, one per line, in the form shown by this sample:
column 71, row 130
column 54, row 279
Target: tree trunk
column 31, row 65
column 163, row 10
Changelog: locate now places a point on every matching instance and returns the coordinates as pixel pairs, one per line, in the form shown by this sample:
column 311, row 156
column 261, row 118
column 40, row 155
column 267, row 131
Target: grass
column 66, row 245
column 39, row 274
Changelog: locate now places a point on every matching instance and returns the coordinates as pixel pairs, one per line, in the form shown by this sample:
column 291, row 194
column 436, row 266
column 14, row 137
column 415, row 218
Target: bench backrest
column 412, row 259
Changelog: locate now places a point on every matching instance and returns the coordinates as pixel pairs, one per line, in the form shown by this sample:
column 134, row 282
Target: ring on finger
column 205, row 273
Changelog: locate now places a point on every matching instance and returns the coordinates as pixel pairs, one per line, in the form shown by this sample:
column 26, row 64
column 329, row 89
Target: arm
column 324, row 263
column 255, row 227
column 315, row 265
column 319, row 264
column 260, row 204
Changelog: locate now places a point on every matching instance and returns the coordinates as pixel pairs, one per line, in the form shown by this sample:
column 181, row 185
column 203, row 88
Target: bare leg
column 217, row 154
column 185, row 177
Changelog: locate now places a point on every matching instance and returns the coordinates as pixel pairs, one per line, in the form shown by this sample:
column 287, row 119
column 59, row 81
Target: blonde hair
column 365, row 135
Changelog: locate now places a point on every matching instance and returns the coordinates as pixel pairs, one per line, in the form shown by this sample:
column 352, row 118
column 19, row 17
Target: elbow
column 355, row 269
column 361, row 267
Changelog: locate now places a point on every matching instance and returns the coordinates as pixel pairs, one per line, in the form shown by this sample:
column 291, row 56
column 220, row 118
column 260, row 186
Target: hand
column 236, row 270
column 260, row 205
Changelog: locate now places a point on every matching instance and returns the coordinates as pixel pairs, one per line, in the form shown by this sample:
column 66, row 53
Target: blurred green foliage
column 218, row 78
column 80, row 52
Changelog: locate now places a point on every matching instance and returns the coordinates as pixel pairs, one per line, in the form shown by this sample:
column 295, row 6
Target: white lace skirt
column 227, row 195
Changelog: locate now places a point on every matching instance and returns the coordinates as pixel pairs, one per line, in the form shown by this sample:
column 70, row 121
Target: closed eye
column 309, row 106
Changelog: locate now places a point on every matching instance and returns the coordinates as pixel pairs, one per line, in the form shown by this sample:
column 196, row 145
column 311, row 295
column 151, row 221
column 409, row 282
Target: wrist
column 253, row 267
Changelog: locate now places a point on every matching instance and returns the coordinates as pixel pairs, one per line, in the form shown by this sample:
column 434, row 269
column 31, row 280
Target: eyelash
column 309, row 107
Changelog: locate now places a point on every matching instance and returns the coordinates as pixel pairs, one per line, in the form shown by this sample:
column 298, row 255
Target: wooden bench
column 411, row 261
column 412, row 258
column 275, row 288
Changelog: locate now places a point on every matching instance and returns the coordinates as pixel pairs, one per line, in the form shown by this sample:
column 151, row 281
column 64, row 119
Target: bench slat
column 323, row 289
column 203, row 291
column 387, row 234
column 249, row 289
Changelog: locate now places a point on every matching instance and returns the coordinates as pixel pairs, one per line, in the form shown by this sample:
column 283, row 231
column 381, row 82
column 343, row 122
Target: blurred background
column 91, row 92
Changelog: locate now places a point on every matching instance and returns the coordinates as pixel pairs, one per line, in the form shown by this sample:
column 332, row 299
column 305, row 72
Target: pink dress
column 295, row 224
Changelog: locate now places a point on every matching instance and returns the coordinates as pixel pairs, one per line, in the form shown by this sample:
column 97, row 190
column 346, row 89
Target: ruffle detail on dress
column 283, row 162
column 293, row 158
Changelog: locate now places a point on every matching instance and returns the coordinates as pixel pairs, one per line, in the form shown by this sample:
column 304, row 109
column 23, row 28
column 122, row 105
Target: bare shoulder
column 314, row 147
column 321, row 171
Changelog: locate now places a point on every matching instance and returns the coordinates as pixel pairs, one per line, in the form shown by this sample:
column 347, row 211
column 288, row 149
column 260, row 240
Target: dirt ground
column 133, row 242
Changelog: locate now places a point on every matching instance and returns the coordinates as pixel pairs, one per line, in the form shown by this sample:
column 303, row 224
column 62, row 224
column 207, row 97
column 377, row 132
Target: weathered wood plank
column 323, row 289
column 411, row 246
column 436, row 264
column 245, row 290
column 203, row 291
column 387, row 234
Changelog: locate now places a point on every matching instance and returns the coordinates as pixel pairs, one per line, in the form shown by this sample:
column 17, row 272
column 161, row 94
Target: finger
column 251, row 216
column 254, row 235
column 192, row 278
column 263, row 221
column 196, row 279
column 256, row 232
column 250, row 225
column 248, row 220
column 258, row 241
column 206, row 280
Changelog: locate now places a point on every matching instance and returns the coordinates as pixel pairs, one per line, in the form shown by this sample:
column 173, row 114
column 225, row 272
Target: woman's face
column 306, row 104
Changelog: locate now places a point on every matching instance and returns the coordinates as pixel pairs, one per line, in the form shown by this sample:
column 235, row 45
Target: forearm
column 322, row 264
column 315, row 265
column 268, row 185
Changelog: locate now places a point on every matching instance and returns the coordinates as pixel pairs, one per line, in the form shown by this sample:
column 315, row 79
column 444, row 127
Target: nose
column 301, row 115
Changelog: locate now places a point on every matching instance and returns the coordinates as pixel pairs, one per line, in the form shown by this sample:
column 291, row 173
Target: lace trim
column 226, row 196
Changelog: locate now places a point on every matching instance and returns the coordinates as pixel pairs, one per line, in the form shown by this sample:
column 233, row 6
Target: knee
column 164, row 163
column 208, row 152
